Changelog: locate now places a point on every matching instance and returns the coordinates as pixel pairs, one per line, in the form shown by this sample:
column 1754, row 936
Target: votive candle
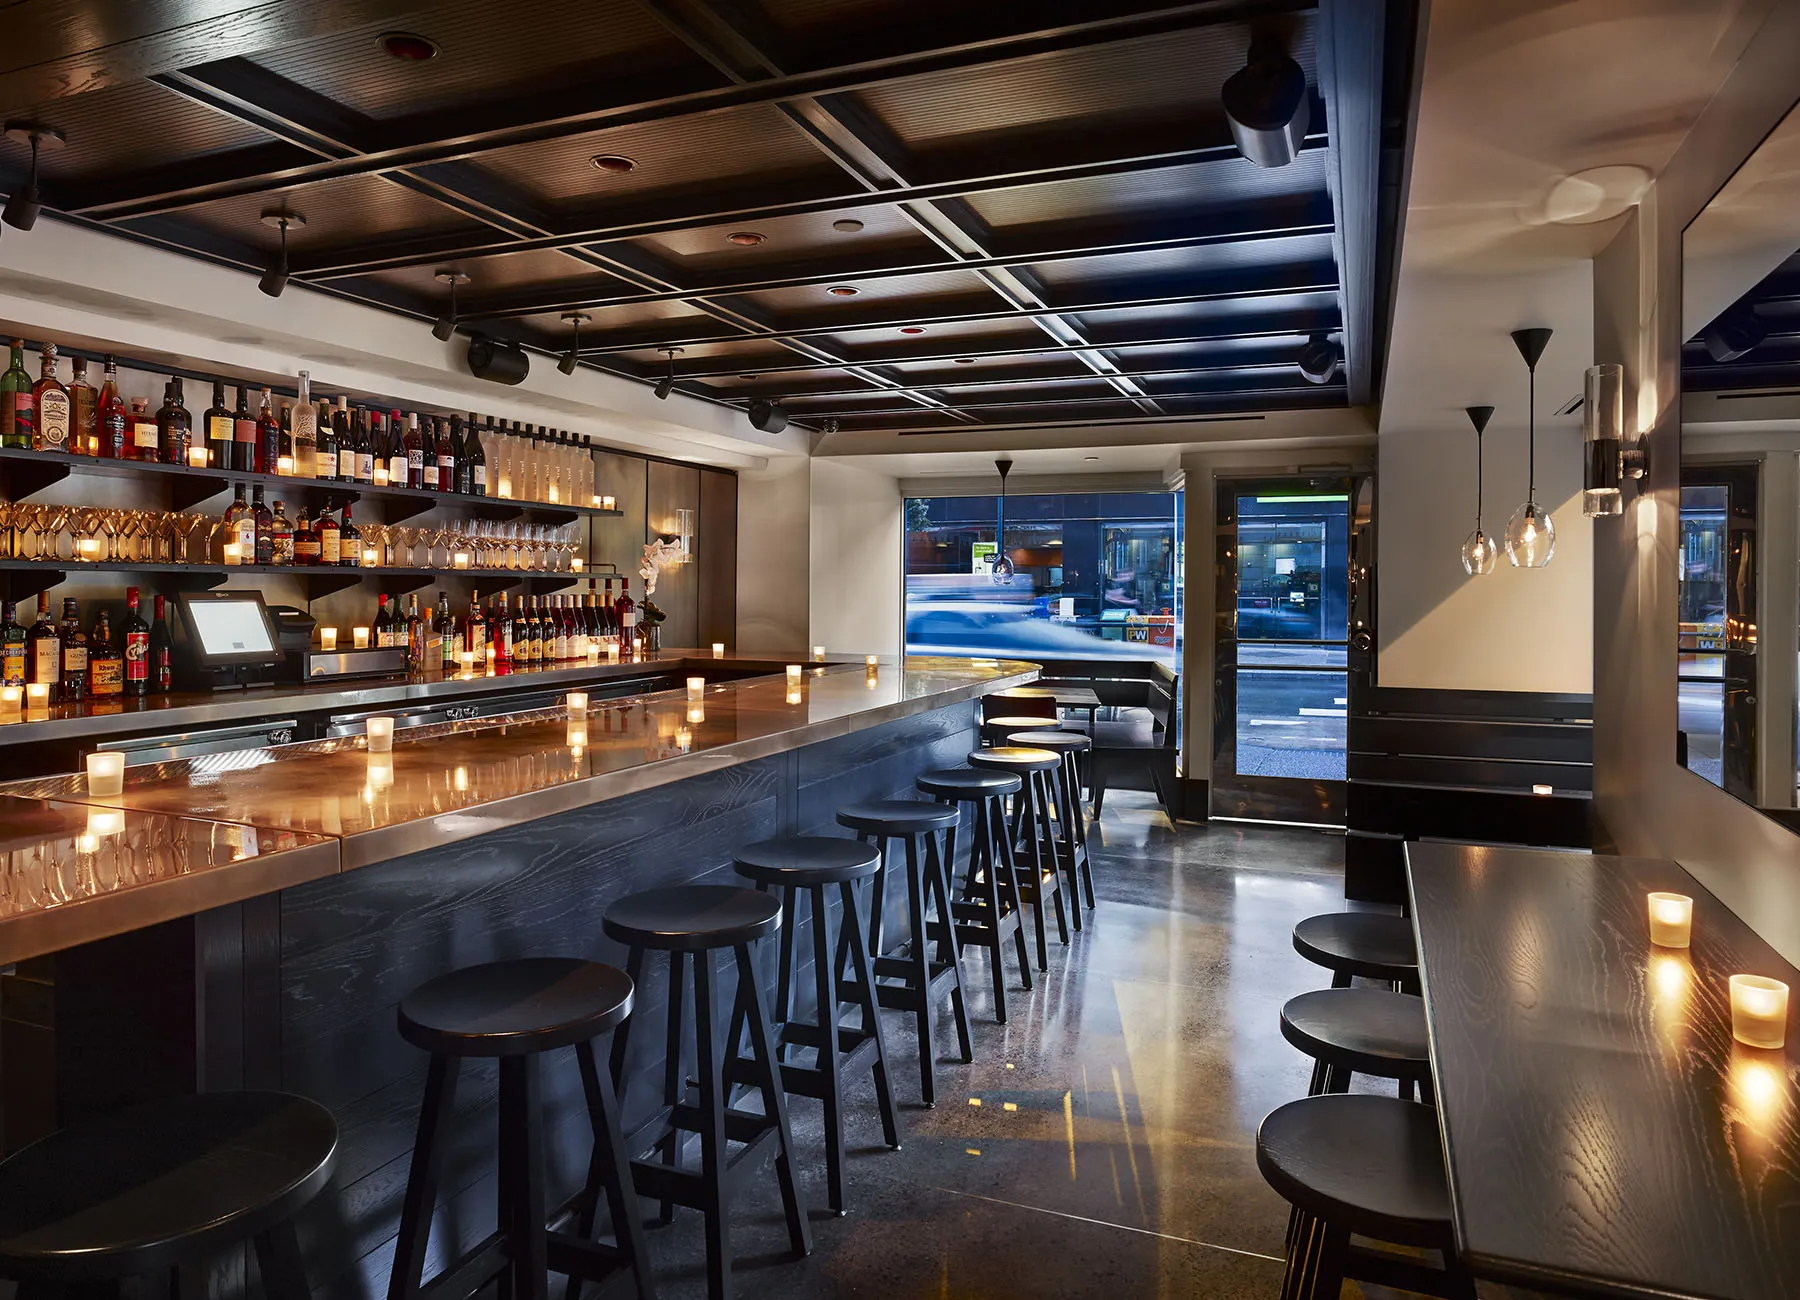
column 1540, row 789
column 106, row 776
column 371, row 557
column 794, row 696
column 593, row 650
column 105, row 821
column 818, row 654
column 609, row 503
column 574, row 564
column 381, row 735
column 873, row 661
column 1758, row 1010
column 696, row 688
column 381, row 476
column 328, row 639
column 467, row 660
column 359, row 636
column 197, row 458
column 234, row 552
column 718, row 649
column 793, row 674
column 37, row 695
column 577, row 735
column 284, row 466
column 612, row 652
column 1671, row 920
column 460, row 560
column 696, row 713
column 11, row 698
column 381, row 773
column 90, row 549
column 577, row 704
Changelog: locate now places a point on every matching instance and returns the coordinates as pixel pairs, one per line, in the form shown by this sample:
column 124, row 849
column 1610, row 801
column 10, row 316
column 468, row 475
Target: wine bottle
column 398, row 474
column 350, row 550
column 415, row 453
column 18, row 413
column 363, row 440
column 329, row 536
column 428, row 450
column 43, row 649
column 114, row 418
column 384, row 623
column 175, row 426
column 268, row 437
column 475, row 458
column 475, row 640
column 162, row 651
column 306, row 543
column 243, row 435
column 303, row 430
column 449, row 636
column 135, row 633
column 84, row 413
column 221, row 450
column 446, row 458
column 346, row 440
column 74, row 652
column 52, row 402
column 326, row 457
column 262, row 532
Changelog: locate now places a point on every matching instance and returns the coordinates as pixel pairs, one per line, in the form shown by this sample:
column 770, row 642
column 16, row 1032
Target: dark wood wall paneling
column 717, row 562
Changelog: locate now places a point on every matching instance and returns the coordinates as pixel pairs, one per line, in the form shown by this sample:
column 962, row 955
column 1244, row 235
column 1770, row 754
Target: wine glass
column 186, row 525
column 376, row 537
column 7, row 511
column 51, row 522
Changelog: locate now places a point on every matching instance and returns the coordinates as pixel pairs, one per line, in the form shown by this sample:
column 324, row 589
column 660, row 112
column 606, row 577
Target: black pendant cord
column 1531, row 437
column 1478, row 469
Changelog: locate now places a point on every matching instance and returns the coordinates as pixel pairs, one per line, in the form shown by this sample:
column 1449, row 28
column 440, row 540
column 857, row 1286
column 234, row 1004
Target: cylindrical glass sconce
column 1603, row 440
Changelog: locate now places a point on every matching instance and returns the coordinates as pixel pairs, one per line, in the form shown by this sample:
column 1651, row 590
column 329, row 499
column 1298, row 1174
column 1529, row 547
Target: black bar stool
column 1030, row 831
column 914, row 978
column 156, row 1189
column 990, row 906
column 1000, row 730
column 516, row 1011
column 1372, row 1166
column 1071, row 818
column 1374, row 945
column 699, row 920
column 1372, row 1032
column 809, row 866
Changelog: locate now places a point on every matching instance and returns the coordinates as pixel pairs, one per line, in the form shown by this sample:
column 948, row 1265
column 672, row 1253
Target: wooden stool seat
column 1015, row 758
column 892, row 818
column 1060, row 742
column 966, row 784
column 692, row 918
column 157, row 1186
column 509, row 1008
column 1375, row 945
column 802, row 860
column 1372, row 1032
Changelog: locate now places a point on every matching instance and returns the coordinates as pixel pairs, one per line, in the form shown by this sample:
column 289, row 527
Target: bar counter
column 297, row 812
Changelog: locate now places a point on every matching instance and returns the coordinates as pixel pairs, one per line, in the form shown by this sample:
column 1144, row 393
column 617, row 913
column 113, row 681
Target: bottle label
column 21, row 416
column 244, row 431
column 327, row 464
column 219, row 428
column 281, row 548
column 397, row 470
column 137, row 656
column 328, row 547
column 346, row 463
column 480, row 479
column 246, row 539
column 415, row 459
column 12, row 664
column 365, row 466
column 46, row 661
column 629, row 619
column 75, row 660
column 143, row 434
column 307, row 550
column 107, row 676
column 53, row 421
column 430, row 474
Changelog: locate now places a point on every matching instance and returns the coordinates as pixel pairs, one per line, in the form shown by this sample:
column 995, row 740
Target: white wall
column 774, row 523
column 857, row 535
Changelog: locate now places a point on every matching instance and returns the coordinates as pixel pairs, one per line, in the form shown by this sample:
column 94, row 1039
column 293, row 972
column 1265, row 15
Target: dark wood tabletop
column 1603, row 1133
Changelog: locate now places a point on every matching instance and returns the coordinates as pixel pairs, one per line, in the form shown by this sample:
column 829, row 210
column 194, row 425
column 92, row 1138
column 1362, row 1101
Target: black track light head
column 767, row 416
column 25, row 203
column 573, row 356
column 275, row 278
column 1735, row 334
column 1267, row 105
column 1319, row 360
column 446, row 324
column 666, row 384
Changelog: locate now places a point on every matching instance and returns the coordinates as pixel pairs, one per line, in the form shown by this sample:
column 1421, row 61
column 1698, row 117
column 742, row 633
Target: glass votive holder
column 37, row 695
column 197, row 458
column 575, row 564
column 578, row 735
column 460, row 560
column 818, row 654
column 696, row 687
column 106, row 772
column 328, row 639
column 381, row 735
column 102, row 822
column 593, row 650
column 576, row 702
column 872, row 661
column 381, row 771
column 609, row 503
column 718, row 649
column 284, row 466
column 1671, row 920
column 12, row 699
column 696, row 714
column 371, row 558
column 793, row 674
column 794, row 695
column 612, row 652
column 466, row 661
column 90, row 550
column 234, row 552
column 595, row 503
column 1758, row 1011
column 359, row 637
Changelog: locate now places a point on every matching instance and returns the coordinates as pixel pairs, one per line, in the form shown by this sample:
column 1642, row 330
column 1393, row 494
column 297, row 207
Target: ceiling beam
column 1350, row 49
column 1284, row 358
column 1242, row 390
column 666, row 96
column 1210, row 410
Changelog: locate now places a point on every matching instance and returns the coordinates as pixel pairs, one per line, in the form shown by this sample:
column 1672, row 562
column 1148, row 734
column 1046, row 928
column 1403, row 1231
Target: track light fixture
column 666, row 384
column 1320, row 359
column 1267, row 105
column 275, row 278
column 1735, row 334
column 24, row 204
column 767, row 416
column 569, row 358
column 446, row 325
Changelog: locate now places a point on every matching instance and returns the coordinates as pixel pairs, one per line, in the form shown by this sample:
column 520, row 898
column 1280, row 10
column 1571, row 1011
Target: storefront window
column 1093, row 574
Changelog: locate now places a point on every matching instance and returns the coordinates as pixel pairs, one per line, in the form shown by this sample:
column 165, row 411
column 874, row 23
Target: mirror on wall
column 1739, row 544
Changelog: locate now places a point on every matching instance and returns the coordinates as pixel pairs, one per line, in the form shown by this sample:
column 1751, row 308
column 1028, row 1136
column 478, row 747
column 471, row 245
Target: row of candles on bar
column 1759, row 1005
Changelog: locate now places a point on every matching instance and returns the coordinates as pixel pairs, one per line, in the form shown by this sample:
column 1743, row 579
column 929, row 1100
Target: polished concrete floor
column 1102, row 1143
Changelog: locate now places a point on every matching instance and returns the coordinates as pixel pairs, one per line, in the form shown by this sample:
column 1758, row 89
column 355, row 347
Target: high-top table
column 1603, row 1133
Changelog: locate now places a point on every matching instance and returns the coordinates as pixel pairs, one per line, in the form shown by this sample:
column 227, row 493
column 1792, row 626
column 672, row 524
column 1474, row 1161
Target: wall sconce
column 1608, row 461
column 682, row 537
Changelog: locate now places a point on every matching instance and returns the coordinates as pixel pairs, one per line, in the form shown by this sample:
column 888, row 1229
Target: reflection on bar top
column 454, row 774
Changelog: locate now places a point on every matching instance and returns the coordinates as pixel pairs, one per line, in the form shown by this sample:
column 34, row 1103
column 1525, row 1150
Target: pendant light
column 1531, row 533
column 1003, row 567
column 1478, row 550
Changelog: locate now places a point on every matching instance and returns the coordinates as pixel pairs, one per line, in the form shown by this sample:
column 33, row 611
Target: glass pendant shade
column 1479, row 554
column 1530, row 537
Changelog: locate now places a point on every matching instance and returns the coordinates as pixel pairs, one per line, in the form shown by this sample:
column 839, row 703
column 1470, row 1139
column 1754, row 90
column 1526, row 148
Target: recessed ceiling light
column 965, row 361
column 408, row 46
column 843, row 291
column 848, row 225
column 745, row 238
column 912, row 329
column 616, row 163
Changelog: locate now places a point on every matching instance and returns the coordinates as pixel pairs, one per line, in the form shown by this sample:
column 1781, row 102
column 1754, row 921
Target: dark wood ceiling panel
column 1078, row 278
column 503, row 277
column 1203, row 317
column 948, row 289
column 486, row 52
column 748, row 353
column 886, row 237
column 131, row 128
column 352, row 207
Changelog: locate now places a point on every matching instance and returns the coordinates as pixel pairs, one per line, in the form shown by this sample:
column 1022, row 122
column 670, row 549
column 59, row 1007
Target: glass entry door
column 1281, row 682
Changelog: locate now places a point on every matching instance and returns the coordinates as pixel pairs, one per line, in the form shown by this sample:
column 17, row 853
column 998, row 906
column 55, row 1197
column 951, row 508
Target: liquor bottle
column 262, row 531
column 459, row 470
column 286, row 447
column 472, row 470
column 532, row 654
column 428, row 450
column 43, row 649
column 84, row 413
column 329, row 536
column 281, row 537
column 175, row 426
column 268, row 437
column 51, row 401
column 106, row 666
column 475, row 639
column 74, row 653
column 17, row 411
column 350, row 549
column 346, row 440
column 229, row 538
column 12, row 646
column 565, row 631
column 114, row 418
column 384, row 623
column 135, row 633
column 446, row 458
column 416, row 627
column 162, row 652
column 326, row 457
column 303, row 430
column 145, row 441
column 398, row 473
column 414, row 445
column 221, row 430
column 449, row 636
column 625, row 614
column 306, row 543
column 363, row 440
column 378, row 444
column 243, row 435
column 504, row 635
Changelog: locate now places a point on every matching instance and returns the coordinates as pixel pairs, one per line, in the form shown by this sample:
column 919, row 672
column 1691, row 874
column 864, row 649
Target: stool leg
column 833, row 1097
column 1296, row 1279
column 982, row 883
column 1003, row 843
column 712, row 1128
column 1045, row 803
column 920, row 959
column 938, row 882
column 1078, row 823
column 422, row 1180
column 634, row 967
column 984, row 835
column 609, row 1172
column 878, row 894
column 278, row 1260
column 674, row 1077
column 522, row 1176
column 1329, row 1257
column 1051, row 879
column 850, row 932
column 1340, row 979
column 784, row 976
column 774, row 1104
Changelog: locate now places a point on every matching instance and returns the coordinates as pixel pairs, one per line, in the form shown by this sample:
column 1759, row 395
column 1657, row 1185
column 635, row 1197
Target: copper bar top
column 453, row 781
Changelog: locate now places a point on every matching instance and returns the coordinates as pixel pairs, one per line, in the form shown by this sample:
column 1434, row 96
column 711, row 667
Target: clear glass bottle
column 84, row 418
column 303, row 429
column 114, row 419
